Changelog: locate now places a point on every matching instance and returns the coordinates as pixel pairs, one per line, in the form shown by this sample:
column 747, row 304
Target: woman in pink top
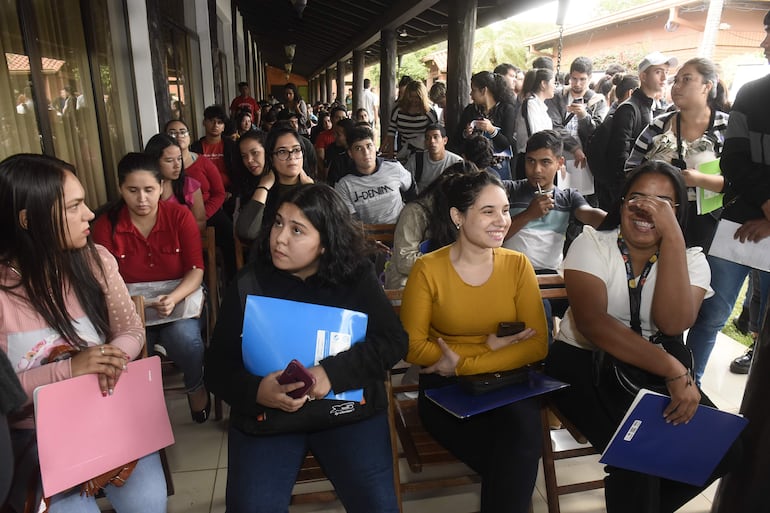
column 176, row 185
column 59, row 289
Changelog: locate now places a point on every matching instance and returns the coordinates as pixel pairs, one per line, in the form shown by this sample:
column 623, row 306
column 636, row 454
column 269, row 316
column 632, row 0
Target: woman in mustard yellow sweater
column 454, row 299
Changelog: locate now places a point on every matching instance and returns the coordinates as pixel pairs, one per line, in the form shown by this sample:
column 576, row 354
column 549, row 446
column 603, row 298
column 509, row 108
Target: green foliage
column 412, row 65
column 628, row 59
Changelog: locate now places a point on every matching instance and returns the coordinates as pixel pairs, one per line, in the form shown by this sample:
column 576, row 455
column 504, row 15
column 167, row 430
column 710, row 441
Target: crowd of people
column 600, row 182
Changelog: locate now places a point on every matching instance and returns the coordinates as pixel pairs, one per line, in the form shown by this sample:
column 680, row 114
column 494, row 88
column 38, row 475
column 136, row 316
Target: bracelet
column 263, row 187
column 686, row 374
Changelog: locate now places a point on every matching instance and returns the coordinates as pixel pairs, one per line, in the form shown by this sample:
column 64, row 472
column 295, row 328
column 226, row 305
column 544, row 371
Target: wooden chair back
column 382, row 233
column 210, row 274
column 552, row 287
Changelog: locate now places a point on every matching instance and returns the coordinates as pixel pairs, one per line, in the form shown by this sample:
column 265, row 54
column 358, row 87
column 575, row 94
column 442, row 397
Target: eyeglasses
column 178, row 133
column 284, row 154
column 636, row 196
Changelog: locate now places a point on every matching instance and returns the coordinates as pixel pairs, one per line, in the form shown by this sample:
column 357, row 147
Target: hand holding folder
column 689, row 453
column 81, row 434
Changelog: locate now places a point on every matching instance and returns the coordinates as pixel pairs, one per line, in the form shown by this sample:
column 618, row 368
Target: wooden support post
column 462, row 24
column 322, row 84
column 358, row 80
column 341, row 82
column 388, row 60
column 329, row 81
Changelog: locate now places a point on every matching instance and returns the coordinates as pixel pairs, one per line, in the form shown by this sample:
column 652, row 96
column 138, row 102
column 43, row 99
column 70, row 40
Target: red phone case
column 293, row 373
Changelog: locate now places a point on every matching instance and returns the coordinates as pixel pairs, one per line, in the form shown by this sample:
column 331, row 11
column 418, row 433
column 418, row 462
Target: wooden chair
column 211, row 278
column 552, row 287
column 382, row 233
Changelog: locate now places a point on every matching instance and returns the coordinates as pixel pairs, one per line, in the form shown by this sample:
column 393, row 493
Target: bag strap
column 419, row 160
column 247, row 285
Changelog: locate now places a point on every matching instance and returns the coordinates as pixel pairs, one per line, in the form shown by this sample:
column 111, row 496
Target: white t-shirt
column 597, row 253
column 431, row 169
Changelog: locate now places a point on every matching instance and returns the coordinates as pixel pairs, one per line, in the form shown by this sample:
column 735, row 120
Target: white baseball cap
column 657, row 59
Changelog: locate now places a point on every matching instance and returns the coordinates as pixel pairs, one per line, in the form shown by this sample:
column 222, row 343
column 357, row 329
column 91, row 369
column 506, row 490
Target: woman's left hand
column 485, row 125
column 322, row 385
column 164, row 305
column 447, row 364
column 685, row 398
column 691, row 177
column 494, row 342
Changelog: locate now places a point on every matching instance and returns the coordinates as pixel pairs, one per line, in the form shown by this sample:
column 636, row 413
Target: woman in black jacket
column 313, row 253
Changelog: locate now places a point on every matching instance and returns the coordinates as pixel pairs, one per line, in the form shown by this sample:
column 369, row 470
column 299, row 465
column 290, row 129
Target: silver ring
column 102, row 350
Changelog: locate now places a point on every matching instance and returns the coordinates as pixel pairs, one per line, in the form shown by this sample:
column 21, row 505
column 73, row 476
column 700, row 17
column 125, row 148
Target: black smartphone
column 505, row 329
column 293, row 373
column 578, row 100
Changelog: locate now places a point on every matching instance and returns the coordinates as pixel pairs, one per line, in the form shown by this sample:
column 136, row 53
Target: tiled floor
column 199, row 459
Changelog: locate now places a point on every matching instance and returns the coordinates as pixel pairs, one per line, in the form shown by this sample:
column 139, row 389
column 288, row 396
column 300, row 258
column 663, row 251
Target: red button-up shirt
column 172, row 248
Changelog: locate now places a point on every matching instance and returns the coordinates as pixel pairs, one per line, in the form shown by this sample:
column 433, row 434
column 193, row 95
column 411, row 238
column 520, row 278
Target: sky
column 578, row 11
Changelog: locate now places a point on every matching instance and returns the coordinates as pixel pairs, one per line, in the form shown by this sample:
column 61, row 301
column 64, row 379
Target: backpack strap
column 419, row 160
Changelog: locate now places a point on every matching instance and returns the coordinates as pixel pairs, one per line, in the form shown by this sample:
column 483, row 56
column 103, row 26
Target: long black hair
column 673, row 174
column 35, row 184
column 155, row 148
column 533, row 80
column 342, row 237
column 497, row 85
column 434, row 198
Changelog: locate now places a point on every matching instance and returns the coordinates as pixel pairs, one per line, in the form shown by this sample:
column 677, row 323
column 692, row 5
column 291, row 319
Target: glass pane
column 18, row 124
column 73, row 120
column 177, row 66
column 118, row 129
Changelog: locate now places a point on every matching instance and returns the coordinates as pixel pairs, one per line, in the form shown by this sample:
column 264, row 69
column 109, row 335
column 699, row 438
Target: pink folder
column 81, row 434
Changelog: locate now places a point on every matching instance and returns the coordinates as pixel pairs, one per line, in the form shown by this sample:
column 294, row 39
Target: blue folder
column 689, row 453
column 275, row 331
column 455, row 400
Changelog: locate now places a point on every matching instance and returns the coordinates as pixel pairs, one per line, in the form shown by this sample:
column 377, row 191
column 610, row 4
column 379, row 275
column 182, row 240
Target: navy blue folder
column 689, row 453
column 461, row 404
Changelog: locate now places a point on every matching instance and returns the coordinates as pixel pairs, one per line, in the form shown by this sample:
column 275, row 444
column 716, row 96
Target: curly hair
column 342, row 237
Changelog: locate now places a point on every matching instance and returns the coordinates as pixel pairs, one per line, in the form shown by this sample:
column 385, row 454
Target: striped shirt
column 411, row 127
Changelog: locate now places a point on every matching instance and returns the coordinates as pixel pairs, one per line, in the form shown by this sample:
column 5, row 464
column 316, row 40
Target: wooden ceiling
column 329, row 30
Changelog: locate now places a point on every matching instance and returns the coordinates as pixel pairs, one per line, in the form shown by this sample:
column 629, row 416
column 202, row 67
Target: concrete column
column 462, row 24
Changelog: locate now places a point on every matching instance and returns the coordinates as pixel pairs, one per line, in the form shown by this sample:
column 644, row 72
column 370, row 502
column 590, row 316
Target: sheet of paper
column 579, row 178
column 752, row 254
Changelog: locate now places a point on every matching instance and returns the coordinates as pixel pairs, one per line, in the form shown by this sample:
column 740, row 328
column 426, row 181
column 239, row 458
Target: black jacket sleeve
column 386, row 341
column 505, row 120
column 622, row 138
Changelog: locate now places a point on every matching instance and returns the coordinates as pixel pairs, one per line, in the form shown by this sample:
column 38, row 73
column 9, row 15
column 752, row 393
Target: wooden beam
column 329, row 80
column 341, row 82
column 399, row 13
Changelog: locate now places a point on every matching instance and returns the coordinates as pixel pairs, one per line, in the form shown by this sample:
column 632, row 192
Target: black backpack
column 596, row 148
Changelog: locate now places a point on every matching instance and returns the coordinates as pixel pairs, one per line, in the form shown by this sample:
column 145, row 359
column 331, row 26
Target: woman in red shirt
column 157, row 240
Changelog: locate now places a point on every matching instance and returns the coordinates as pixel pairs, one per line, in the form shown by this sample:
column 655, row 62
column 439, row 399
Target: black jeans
column 625, row 491
column 503, row 446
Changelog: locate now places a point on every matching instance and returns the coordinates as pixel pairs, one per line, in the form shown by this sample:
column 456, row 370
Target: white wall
column 147, row 113
column 201, row 11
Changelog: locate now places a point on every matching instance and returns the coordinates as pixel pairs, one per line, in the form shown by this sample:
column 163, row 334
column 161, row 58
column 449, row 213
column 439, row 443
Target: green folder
column 708, row 201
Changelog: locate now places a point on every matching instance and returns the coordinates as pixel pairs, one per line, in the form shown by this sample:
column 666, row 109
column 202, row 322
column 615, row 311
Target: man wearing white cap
column 630, row 118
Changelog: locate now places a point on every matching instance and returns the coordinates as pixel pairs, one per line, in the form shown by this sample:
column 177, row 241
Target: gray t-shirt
column 431, row 169
column 376, row 198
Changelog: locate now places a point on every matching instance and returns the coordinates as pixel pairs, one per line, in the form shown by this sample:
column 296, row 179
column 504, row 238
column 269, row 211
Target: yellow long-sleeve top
column 438, row 303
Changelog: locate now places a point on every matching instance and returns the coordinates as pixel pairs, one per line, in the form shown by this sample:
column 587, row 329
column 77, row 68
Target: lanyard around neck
column 634, row 287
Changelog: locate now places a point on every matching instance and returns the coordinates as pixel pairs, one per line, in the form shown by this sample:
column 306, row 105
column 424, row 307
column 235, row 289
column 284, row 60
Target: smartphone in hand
column 294, row 373
column 505, row 329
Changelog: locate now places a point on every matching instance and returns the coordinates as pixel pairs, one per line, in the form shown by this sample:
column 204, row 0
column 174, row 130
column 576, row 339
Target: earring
column 458, row 226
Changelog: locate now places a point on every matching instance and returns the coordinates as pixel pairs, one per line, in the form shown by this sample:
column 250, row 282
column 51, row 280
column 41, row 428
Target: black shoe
column 742, row 364
column 201, row 416
column 742, row 325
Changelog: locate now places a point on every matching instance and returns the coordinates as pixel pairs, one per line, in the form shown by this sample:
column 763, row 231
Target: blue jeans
column 184, row 345
column 726, row 280
column 144, row 492
column 356, row 458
